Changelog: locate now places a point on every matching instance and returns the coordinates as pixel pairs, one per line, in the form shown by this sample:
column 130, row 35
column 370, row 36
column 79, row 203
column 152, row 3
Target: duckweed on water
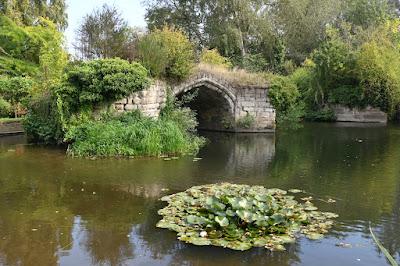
column 240, row 217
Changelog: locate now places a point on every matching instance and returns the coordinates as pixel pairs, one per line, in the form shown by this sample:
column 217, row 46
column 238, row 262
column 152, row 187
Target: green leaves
column 222, row 221
column 240, row 217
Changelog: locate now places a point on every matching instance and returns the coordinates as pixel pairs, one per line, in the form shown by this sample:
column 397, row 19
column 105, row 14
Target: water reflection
column 58, row 210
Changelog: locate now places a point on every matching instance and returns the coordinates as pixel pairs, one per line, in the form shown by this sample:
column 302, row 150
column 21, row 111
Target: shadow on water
column 69, row 211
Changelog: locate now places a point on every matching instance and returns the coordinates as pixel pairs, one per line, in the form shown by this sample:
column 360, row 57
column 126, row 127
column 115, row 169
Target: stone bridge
column 219, row 105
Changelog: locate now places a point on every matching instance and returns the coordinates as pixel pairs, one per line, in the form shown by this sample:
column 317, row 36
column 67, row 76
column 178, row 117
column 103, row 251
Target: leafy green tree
column 367, row 13
column 35, row 51
column 105, row 34
column 27, row 12
column 213, row 57
column 167, row 53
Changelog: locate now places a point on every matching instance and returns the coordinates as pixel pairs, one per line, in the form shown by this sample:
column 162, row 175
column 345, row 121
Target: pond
column 69, row 211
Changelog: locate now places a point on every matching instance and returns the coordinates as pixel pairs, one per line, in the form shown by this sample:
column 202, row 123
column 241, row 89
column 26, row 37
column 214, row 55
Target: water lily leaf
column 241, row 216
column 198, row 241
column 245, row 215
column 278, row 248
column 237, row 245
column 222, row 221
column 314, row 236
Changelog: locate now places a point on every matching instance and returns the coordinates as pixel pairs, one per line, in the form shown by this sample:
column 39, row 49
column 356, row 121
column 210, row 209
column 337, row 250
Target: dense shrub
column 100, row 81
column 16, row 91
column 44, row 121
column 5, row 108
column 285, row 97
column 131, row 134
column 87, row 87
column 334, row 66
column 167, row 53
column 378, row 67
column 213, row 57
column 246, row 122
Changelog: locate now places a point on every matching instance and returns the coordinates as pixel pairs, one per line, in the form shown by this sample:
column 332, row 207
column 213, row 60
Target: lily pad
column 240, row 217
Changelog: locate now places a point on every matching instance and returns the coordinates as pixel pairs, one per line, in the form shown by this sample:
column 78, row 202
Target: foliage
column 44, row 121
column 213, row 57
column 377, row 66
column 367, row 13
column 246, row 122
column 34, row 51
column 324, row 114
column 285, row 97
column 28, row 12
column 105, row 34
column 255, row 63
column 15, row 90
column 86, row 88
column 91, row 83
column 240, row 217
column 132, row 134
column 167, row 53
column 5, row 108
column 334, row 65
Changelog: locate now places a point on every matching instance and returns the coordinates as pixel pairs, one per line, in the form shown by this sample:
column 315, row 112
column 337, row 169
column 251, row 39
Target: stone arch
column 215, row 103
column 223, row 90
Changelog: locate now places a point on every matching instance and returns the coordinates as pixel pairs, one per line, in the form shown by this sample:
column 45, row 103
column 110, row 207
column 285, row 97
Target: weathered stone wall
column 10, row 128
column 367, row 115
column 242, row 101
column 254, row 101
column 149, row 101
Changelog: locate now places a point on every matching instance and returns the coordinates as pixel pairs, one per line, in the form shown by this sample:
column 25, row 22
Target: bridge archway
column 213, row 103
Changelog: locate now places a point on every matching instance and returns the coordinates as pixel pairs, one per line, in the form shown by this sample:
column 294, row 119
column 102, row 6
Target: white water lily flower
column 203, row 234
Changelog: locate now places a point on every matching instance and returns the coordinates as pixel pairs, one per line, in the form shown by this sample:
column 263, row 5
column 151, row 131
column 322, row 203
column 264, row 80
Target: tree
column 105, row 34
column 27, row 12
column 236, row 28
column 367, row 13
column 167, row 53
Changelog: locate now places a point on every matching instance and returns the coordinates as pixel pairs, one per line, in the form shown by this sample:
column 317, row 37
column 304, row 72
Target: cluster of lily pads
column 240, row 217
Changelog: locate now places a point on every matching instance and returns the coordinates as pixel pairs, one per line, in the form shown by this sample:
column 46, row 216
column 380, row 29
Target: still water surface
column 68, row 211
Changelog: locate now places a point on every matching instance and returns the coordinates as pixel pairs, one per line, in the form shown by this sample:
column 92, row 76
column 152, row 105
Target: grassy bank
column 132, row 134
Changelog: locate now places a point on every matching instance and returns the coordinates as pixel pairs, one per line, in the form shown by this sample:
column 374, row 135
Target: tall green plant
column 167, row 53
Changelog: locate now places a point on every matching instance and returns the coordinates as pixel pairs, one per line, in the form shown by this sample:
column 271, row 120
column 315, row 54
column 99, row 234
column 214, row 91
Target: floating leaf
column 295, row 190
column 241, row 216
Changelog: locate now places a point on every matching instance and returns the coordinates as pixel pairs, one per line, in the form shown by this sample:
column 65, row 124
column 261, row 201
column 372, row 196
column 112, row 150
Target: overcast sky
column 132, row 10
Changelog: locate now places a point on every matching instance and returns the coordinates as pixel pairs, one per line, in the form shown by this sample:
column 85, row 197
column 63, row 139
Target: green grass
column 5, row 120
column 132, row 135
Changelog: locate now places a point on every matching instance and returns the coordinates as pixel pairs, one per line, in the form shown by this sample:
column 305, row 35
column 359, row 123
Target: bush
column 103, row 81
column 246, row 122
column 5, row 108
column 131, row 134
column 16, row 91
column 44, row 121
column 167, row 53
column 334, row 67
column 320, row 115
column 285, row 97
column 212, row 57
column 378, row 67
